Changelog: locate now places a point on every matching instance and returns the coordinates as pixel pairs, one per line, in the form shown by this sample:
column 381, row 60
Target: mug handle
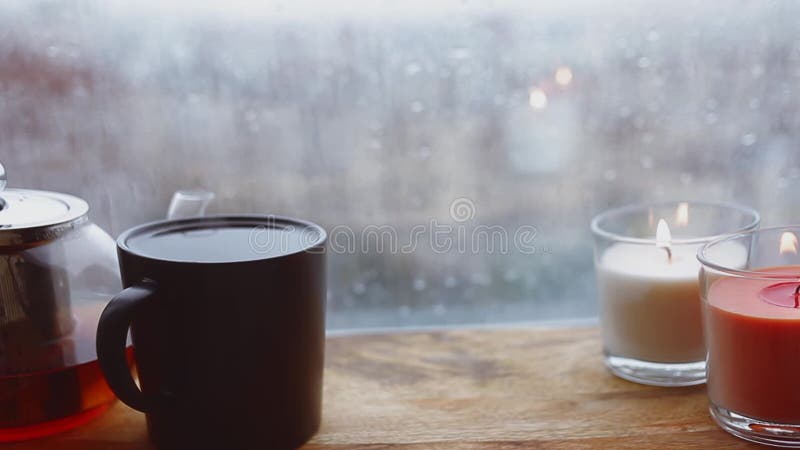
column 112, row 336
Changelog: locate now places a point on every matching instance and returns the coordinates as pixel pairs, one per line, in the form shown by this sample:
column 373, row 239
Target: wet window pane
column 400, row 128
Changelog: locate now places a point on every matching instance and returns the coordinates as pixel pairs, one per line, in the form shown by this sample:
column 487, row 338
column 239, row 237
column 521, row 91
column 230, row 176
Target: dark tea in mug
column 227, row 316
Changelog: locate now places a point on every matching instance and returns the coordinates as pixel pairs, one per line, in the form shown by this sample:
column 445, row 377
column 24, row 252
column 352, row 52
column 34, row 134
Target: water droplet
column 460, row 53
column 417, row 106
column 404, row 311
column 413, row 69
column 376, row 127
column 625, row 111
column 610, row 175
column 757, row 71
column 53, row 51
column 464, row 71
column 643, row 62
column 419, row 284
column 748, row 139
column 711, row 118
column 511, row 275
column 423, row 153
column 439, row 309
column 686, row 178
column 450, row 281
column 755, row 103
column 646, row 161
column 480, row 279
column 653, row 36
column 359, row 288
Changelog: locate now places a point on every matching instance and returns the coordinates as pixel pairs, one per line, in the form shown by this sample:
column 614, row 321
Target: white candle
column 650, row 303
column 650, row 299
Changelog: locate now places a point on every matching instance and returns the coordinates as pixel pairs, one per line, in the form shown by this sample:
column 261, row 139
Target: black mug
column 227, row 317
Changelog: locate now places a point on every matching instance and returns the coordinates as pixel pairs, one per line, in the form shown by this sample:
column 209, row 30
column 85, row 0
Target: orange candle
column 753, row 340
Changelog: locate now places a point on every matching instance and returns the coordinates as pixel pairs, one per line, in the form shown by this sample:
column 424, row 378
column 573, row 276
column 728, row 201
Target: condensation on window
column 405, row 128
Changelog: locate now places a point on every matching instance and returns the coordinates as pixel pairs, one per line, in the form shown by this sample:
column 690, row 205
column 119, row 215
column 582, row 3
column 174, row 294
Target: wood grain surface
column 470, row 389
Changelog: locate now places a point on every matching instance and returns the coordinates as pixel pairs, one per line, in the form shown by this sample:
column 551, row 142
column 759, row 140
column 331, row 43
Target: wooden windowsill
column 470, row 389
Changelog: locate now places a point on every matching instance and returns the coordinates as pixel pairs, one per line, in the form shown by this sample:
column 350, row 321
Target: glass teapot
column 57, row 272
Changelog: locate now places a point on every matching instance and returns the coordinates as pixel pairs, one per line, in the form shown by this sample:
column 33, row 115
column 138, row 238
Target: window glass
column 499, row 127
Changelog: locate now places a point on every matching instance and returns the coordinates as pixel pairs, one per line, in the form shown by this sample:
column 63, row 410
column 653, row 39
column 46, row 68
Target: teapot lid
column 29, row 216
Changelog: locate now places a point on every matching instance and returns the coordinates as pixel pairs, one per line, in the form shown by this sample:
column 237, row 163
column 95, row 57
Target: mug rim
column 264, row 219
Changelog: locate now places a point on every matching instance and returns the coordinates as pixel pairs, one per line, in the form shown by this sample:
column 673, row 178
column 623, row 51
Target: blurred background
column 359, row 114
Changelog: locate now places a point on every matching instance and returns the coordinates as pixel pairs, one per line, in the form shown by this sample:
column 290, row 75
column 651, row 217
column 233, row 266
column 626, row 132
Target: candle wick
column 669, row 257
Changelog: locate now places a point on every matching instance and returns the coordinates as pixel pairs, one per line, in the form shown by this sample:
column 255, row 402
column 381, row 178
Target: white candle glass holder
column 648, row 291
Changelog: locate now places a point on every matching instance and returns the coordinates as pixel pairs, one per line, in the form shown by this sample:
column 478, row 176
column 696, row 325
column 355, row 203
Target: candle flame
column 788, row 243
column 682, row 214
column 663, row 235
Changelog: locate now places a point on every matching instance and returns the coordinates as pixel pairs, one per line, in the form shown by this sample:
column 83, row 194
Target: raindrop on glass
column 404, row 311
column 480, row 279
column 460, row 53
column 510, row 275
column 359, row 288
column 413, row 69
column 423, row 153
column 748, row 139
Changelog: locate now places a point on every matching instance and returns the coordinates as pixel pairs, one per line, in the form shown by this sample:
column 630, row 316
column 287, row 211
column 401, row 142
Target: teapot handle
column 112, row 334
